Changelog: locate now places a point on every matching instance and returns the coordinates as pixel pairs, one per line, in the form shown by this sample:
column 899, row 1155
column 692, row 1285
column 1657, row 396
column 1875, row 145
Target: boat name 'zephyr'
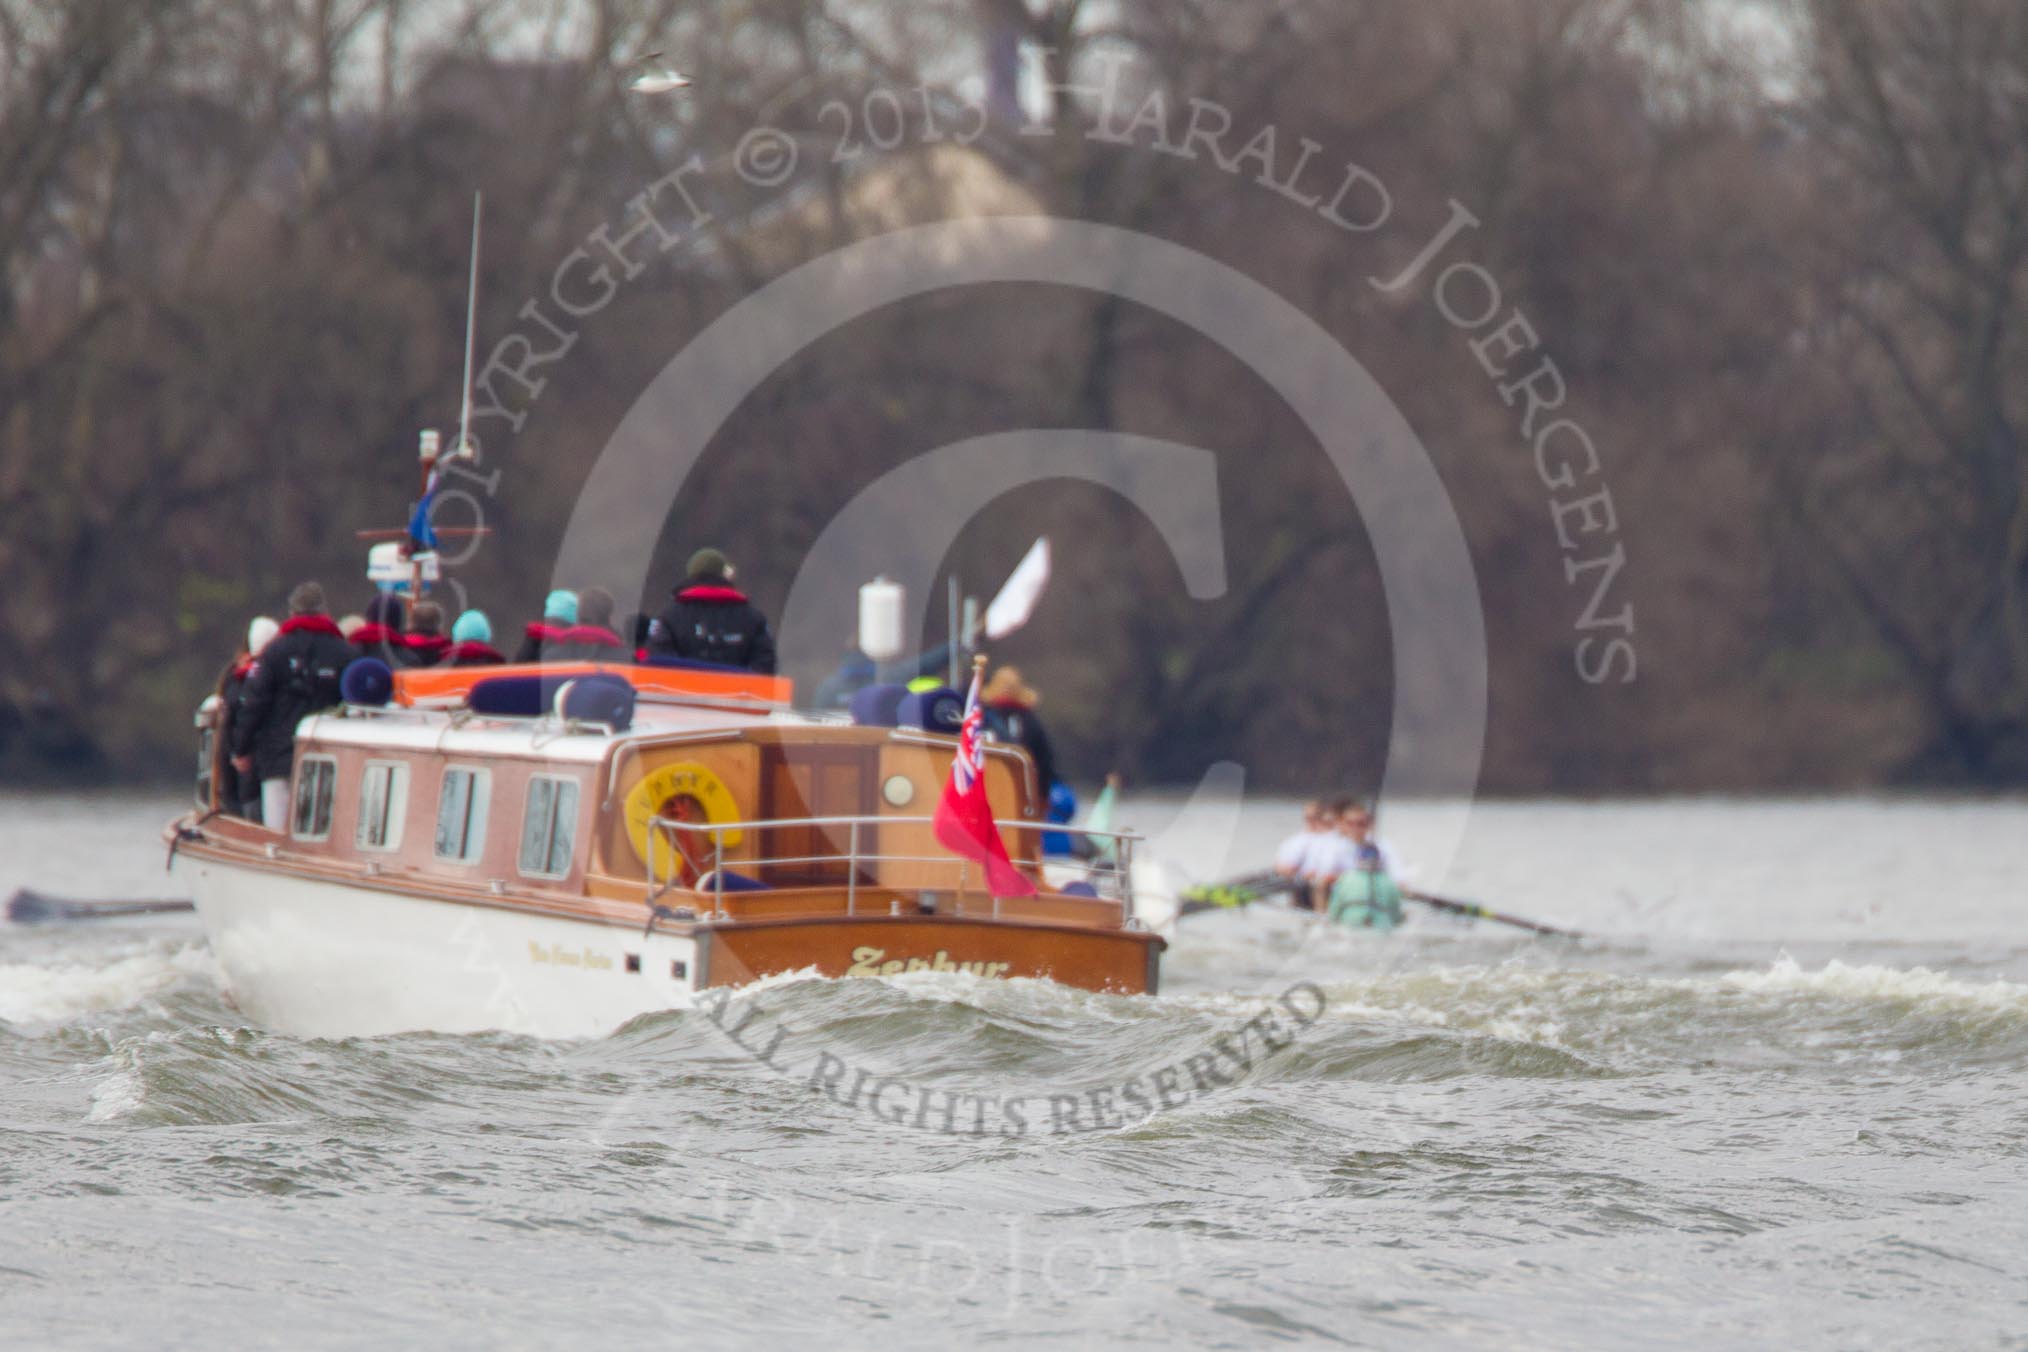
column 868, row 961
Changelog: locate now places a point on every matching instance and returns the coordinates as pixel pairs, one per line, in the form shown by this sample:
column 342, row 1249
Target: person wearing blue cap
column 472, row 642
column 559, row 614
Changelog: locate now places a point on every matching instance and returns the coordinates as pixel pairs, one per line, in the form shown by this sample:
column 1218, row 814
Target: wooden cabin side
column 794, row 774
column 484, row 823
column 576, row 834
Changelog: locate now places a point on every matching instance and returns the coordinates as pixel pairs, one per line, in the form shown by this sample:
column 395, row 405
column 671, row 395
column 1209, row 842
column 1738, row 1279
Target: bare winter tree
column 1918, row 494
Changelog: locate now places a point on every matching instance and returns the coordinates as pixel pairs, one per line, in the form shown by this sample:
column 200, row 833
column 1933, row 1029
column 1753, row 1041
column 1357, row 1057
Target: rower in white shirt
column 1317, row 829
column 1339, row 852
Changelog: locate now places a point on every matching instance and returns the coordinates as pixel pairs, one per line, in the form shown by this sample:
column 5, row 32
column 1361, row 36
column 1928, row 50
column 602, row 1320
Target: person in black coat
column 238, row 794
column 1007, row 705
column 710, row 620
column 294, row 676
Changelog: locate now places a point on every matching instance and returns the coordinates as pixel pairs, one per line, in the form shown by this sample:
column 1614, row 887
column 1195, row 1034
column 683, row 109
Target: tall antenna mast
column 471, row 330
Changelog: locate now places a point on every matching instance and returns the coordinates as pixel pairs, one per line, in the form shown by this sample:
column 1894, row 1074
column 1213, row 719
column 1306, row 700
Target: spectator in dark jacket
column 239, row 794
column 380, row 637
column 1007, row 706
column 294, row 676
column 472, row 642
column 424, row 645
column 711, row 621
column 592, row 638
column 559, row 612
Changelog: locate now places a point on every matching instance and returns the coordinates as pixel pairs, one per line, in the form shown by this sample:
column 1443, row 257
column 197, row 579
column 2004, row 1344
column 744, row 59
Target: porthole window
column 898, row 790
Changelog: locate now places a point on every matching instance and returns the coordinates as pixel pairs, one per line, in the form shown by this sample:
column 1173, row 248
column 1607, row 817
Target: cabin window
column 383, row 803
column 316, row 777
column 549, row 827
column 461, row 814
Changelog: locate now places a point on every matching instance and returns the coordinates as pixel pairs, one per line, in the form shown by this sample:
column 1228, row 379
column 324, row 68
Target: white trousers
column 275, row 804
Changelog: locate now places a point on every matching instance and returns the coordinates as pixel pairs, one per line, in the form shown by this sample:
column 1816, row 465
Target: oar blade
column 29, row 907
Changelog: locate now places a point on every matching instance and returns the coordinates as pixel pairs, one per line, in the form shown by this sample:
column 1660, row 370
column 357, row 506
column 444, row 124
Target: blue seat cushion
column 367, row 682
column 875, row 706
column 938, row 710
column 598, row 698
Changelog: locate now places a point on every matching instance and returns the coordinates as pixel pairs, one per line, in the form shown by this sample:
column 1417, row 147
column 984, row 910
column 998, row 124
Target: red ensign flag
column 964, row 820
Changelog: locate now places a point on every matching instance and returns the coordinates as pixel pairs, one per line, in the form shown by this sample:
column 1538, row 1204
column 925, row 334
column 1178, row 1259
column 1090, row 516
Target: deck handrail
column 1113, row 873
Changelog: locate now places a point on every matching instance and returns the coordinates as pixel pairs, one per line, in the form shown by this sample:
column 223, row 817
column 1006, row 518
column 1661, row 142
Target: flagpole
column 978, row 678
column 978, row 684
column 471, row 330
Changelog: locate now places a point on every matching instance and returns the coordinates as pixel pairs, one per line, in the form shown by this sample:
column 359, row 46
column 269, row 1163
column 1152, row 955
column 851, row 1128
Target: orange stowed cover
column 438, row 684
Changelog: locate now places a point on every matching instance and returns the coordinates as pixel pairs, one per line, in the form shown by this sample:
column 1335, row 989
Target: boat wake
column 34, row 993
column 164, row 1048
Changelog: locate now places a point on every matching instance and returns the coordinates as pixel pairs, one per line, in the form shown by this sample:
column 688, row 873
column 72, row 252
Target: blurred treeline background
column 1776, row 249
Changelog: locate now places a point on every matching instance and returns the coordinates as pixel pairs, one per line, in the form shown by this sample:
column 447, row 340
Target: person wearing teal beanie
column 472, row 644
column 559, row 614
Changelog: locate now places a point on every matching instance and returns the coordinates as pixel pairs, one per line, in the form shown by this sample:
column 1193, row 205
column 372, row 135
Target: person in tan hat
column 1009, row 706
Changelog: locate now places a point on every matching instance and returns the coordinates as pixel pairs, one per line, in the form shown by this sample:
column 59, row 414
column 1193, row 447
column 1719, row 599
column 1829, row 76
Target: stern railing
column 1107, row 871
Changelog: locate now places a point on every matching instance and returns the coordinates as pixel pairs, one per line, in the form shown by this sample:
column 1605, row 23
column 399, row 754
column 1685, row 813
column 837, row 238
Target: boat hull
column 324, row 957
column 1122, row 962
column 320, row 958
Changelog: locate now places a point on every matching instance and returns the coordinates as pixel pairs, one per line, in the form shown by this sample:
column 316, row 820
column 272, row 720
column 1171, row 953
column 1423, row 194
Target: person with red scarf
column 472, row 642
column 294, row 676
column 710, row 620
column 559, row 613
column 381, row 637
column 592, row 638
column 424, row 645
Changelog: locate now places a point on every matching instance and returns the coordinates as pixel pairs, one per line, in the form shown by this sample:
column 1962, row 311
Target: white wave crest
column 115, row 1096
column 31, row 993
column 1914, row 985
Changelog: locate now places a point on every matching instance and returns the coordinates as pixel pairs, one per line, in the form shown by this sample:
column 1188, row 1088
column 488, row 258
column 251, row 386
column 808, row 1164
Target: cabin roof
column 456, row 733
column 451, row 686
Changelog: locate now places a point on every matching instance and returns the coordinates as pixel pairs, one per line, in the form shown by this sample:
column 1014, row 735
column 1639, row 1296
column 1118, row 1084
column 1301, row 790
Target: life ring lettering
column 673, row 784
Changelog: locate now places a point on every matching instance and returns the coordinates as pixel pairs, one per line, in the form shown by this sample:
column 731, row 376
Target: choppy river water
column 1778, row 1099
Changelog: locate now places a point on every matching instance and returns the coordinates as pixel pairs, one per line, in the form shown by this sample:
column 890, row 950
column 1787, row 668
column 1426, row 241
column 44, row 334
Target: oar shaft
column 1482, row 913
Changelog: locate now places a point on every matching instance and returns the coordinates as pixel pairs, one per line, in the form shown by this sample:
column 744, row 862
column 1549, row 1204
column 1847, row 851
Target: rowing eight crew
column 1349, row 874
